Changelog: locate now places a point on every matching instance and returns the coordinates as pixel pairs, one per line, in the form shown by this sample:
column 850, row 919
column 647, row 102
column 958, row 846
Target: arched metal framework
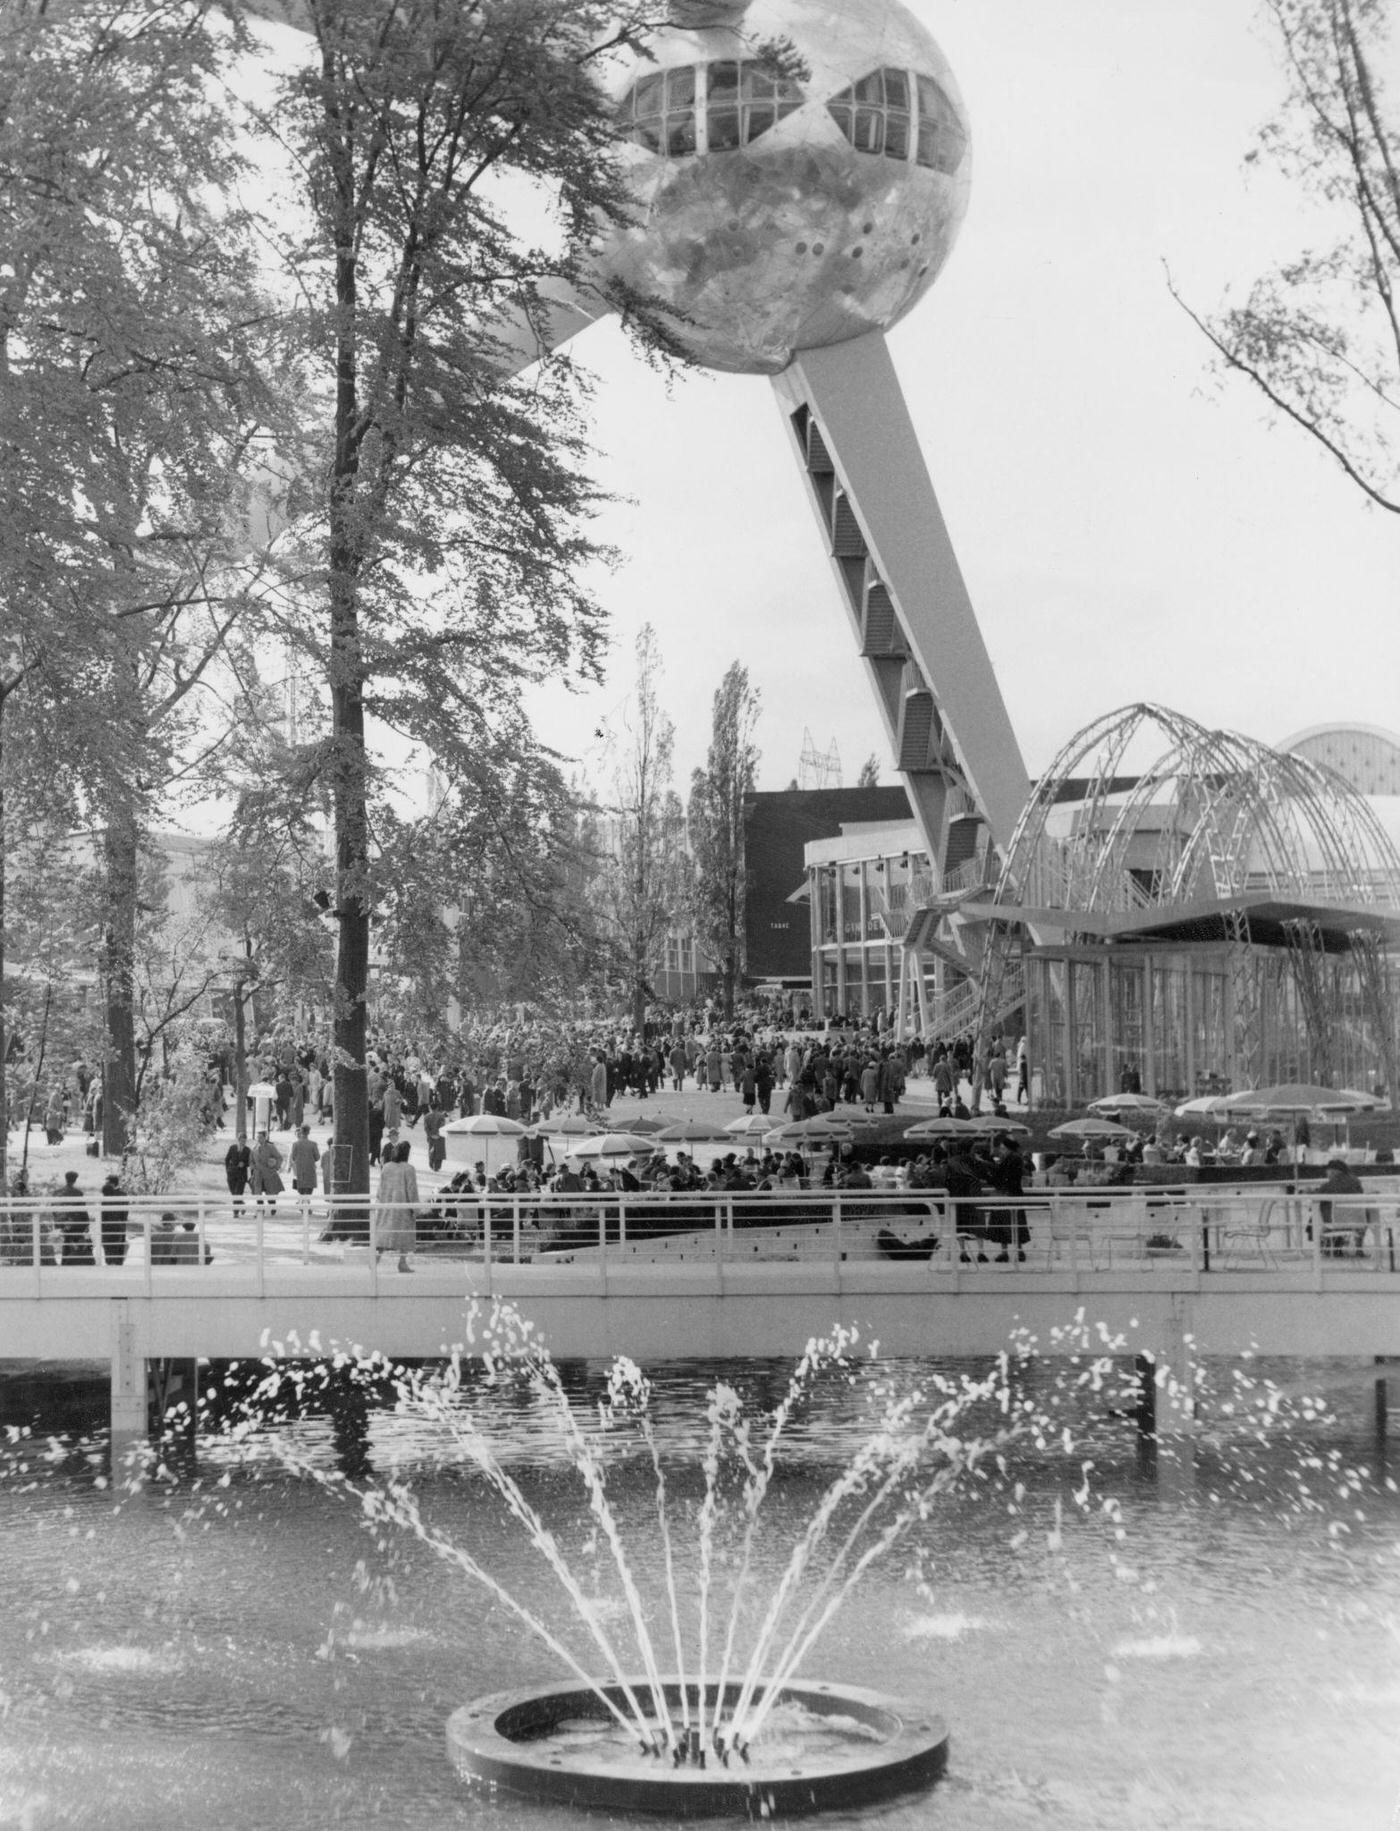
column 1213, row 824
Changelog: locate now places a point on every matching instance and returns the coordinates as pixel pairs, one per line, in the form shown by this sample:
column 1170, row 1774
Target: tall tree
column 131, row 392
column 719, row 795
column 643, row 884
column 1319, row 337
column 448, row 506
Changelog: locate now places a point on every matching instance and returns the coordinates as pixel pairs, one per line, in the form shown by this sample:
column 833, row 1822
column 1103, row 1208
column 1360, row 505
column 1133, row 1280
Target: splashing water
column 921, row 1443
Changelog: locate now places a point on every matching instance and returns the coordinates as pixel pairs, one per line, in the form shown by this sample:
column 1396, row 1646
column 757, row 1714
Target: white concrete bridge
column 1169, row 1274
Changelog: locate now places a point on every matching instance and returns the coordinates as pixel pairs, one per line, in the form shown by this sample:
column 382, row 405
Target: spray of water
column 922, row 1438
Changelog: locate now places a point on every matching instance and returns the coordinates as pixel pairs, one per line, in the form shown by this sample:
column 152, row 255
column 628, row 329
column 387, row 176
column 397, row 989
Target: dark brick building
column 776, row 828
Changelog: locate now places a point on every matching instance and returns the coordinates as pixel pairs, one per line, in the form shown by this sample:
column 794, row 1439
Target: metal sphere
column 779, row 215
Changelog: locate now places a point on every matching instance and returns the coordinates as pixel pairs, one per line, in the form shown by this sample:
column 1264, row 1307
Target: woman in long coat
column 395, row 1229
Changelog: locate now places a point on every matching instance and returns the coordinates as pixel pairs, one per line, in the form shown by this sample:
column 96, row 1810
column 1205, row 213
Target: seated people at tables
column 1060, row 1173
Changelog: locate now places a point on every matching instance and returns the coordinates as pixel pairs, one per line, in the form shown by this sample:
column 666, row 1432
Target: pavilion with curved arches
column 1179, row 908
column 1220, row 915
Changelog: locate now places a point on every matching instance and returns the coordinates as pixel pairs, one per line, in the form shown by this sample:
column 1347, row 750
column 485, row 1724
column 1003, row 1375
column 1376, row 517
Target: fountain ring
column 875, row 1746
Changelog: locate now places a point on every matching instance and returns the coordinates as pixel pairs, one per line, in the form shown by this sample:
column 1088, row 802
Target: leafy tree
column 132, row 351
column 484, row 903
column 643, row 885
column 719, row 795
column 869, row 776
column 52, row 1020
column 1319, row 337
column 447, row 509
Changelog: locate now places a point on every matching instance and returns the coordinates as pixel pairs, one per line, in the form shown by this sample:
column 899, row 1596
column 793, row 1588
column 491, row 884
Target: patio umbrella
column 643, row 1127
column 1092, row 1128
column 750, row 1126
column 489, row 1125
column 1205, row 1106
column 945, row 1127
column 821, row 1129
column 1293, row 1099
column 1143, row 1104
column 992, row 1123
column 692, row 1131
column 575, row 1125
column 612, row 1144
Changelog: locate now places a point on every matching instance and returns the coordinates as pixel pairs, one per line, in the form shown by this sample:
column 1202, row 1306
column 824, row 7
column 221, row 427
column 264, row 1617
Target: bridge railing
column 1161, row 1232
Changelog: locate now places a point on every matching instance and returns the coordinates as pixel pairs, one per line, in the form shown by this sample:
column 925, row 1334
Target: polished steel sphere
column 782, row 213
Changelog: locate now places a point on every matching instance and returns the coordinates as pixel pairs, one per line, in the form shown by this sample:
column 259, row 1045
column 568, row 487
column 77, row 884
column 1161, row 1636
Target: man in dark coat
column 1007, row 1226
column 114, row 1221
column 74, row 1223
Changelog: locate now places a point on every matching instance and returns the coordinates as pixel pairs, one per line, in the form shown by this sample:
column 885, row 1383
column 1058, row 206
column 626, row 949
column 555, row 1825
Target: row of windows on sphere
column 738, row 100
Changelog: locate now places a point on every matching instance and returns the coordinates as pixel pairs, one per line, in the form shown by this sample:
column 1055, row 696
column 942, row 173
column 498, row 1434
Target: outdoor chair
column 1071, row 1234
column 1246, row 1228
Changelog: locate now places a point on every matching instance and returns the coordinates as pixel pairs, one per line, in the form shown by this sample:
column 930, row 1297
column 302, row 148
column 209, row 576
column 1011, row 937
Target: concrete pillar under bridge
column 1167, row 1417
column 149, row 1395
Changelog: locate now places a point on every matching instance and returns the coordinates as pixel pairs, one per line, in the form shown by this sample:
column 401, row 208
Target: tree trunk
column 349, row 766
column 120, row 853
column 240, row 1061
column 34, row 1090
column 4, row 1040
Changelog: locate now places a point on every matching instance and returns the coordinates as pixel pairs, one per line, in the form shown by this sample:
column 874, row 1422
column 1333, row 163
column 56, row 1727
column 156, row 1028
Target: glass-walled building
column 1227, row 916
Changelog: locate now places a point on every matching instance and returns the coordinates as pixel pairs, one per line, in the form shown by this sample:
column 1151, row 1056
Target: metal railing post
column 259, row 1237
column 515, row 1230
column 836, row 1228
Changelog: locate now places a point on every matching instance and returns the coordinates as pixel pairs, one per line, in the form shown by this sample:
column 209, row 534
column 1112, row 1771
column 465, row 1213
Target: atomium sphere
column 783, row 213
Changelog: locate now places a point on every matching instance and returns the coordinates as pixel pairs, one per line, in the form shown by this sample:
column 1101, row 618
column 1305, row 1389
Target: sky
column 1129, row 526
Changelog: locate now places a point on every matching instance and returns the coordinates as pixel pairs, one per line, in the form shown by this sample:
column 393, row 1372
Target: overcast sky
column 1129, row 528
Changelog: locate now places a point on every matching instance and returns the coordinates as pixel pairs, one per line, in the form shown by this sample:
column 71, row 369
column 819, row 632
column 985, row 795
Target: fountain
column 729, row 1727
column 230, row 1638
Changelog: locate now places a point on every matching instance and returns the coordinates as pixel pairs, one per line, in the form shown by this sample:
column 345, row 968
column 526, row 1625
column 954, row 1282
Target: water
column 234, row 1647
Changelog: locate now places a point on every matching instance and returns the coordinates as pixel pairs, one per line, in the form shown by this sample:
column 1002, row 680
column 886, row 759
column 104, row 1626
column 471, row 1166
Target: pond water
column 230, row 1645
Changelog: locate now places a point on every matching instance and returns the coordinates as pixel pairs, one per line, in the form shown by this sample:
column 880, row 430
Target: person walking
column 113, row 1210
column 304, row 1156
column 433, row 1122
column 74, row 1223
column 238, row 1165
column 396, row 1201
column 265, row 1173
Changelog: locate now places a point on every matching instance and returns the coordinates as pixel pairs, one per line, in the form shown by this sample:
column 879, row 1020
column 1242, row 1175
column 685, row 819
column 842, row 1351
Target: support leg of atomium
column 913, row 619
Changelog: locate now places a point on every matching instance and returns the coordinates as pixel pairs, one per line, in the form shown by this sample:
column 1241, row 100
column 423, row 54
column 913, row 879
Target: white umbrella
column 1299, row 1099
column 576, row 1125
column 486, row 1125
column 1092, row 1128
column 613, row 1144
column 692, row 1131
column 750, row 1126
column 821, row 1129
column 1128, row 1103
column 1204, row 1106
column 944, row 1127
